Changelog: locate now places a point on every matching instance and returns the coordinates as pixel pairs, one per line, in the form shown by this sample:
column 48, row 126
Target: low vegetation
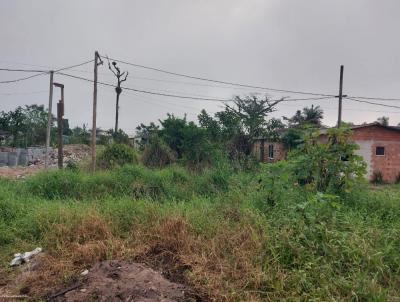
column 195, row 205
column 231, row 236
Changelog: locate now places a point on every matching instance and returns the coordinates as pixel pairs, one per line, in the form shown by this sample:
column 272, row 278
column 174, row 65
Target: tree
column 186, row 139
column 308, row 116
column 80, row 135
column 121, row 77
column 27, row 125
column 145, row 132
column 273, row 128
column 252, row 113
column 383, row 120
column 211, row 125
column 313, row 115
column 172, row 133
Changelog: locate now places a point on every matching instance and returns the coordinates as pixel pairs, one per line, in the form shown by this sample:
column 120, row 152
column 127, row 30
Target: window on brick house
column 270, row 151
column 380, row 151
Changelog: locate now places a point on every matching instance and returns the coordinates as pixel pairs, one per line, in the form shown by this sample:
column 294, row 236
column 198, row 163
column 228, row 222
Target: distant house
column 379, row 146
column 268, row 151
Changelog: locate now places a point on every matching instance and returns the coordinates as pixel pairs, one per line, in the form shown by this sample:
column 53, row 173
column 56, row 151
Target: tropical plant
column 328, row 167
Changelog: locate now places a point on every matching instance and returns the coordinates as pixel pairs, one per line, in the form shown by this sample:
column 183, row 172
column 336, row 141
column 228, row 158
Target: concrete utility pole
column 120, row 78
column 49, row 117
column 340, row 96
column 97, row 62
column 60, row 115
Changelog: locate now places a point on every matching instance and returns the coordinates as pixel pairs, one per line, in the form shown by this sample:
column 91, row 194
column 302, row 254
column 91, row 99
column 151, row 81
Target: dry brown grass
column 224, row 267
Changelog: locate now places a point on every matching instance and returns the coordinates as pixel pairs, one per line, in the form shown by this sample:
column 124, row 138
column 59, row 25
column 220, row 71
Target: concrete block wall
column 21, row 157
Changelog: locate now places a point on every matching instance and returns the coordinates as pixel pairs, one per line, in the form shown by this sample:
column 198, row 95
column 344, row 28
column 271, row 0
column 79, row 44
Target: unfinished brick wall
column 279, row 151
column 377, row 136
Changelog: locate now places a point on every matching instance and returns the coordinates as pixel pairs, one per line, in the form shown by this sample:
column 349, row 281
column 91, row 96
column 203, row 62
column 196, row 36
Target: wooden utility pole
column 60, row 115
column 49, row 117
column 97, row 62
column 340, row 96
column 120, row 78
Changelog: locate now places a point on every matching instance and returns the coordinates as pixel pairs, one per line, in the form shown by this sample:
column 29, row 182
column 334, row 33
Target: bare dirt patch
column 120, row 281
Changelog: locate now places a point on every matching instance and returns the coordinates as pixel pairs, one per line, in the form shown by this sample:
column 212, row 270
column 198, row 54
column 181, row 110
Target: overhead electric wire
column 179, row 96
column 22, row 70
column 73, row 66
column 38, row 72
column 218, row 81
column 372, row 98
column 23, row 93
column 23, row 79
column 372, row 103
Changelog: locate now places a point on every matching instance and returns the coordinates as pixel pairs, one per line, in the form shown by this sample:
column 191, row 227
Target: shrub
column 72, row 165
column 329, row 167
column 157, row 154
column 377, row 178
column 117, row 155
column 54, row 184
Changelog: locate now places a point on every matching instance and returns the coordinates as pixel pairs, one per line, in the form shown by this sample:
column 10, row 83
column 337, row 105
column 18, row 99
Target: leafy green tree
column 188, row 141
column 172, row 133
column 383, row 120
column 120, row 137
column 273, row 129
column 145, row 132
column 292, row 137
column 27, row 125
column 308, row 116
column 211, row 125
column 313, row 115
column 252, row 113
column 80, row 135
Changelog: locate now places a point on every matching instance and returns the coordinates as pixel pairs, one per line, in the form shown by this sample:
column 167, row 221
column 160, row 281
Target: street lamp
column 60, row 114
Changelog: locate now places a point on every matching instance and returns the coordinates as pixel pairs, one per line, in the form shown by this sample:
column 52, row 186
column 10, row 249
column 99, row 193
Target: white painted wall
column 366, row 152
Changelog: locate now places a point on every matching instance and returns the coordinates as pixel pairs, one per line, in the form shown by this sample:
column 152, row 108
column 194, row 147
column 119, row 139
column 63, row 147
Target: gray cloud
column 286, row 44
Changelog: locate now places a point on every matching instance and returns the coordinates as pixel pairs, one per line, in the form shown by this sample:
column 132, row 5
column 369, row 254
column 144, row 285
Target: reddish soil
column 120, row 281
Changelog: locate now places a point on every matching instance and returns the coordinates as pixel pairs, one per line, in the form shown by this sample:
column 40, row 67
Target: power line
column 39, row 72
column 372, row 103
column 22, row 70
column 179, row 96
column 218, row 81
column 73, row 66
column 377, row 99
column 24, row 93
column 23, row 79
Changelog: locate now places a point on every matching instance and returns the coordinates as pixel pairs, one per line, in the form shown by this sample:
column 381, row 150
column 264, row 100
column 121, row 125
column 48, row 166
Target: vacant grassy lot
column 219, row 232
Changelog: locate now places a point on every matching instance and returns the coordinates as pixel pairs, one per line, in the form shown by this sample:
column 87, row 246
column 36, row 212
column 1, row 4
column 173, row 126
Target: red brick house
column 267, row 151
column 378, row 145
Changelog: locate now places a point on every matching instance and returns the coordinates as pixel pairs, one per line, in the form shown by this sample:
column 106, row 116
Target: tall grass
column 215, row 231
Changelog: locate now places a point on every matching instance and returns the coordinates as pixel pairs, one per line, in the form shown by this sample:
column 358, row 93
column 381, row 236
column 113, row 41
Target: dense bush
column 157, row 154
column 329, row 166
column 117, row 155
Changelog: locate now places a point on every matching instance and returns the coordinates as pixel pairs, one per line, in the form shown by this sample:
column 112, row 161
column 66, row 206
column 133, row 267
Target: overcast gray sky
column 285, row 44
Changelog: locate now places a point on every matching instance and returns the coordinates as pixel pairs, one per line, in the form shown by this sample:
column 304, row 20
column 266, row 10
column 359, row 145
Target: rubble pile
column 36, row 160
column 74, row 153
